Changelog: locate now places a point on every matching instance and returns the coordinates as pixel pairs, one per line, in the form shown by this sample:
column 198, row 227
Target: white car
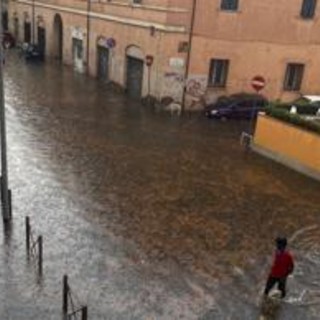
column 307, row 99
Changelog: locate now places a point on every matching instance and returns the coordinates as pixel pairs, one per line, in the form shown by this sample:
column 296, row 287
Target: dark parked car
column 242, row 106
column 8, row 40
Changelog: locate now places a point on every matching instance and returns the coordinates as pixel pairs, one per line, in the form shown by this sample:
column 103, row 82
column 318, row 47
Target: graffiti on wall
column 173, row 85
column 196, row 86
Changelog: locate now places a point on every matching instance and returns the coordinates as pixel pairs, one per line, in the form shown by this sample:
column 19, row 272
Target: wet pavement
column 152, row 217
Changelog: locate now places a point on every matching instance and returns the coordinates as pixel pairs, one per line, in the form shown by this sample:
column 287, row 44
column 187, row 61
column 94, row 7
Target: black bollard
column 10, row 203
column 40, row 258
column 1, row 188
column 84, row 315
column 65, row 297
column 28, row 235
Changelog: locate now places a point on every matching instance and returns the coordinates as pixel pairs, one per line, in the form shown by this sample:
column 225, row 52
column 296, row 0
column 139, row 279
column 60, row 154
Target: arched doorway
column 27, row 28
column 58, row 37
column 16, row 27
column 41, row 32
column 5, row 20
column 135, row 70
column 78, row 36
column 103, row 59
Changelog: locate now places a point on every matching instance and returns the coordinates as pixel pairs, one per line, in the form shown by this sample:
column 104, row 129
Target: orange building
column 215, row 51
column 235, row 40
column 112, row 40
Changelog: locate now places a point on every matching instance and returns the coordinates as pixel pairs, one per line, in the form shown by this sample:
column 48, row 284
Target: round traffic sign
column 111, row 42
column 258, row 83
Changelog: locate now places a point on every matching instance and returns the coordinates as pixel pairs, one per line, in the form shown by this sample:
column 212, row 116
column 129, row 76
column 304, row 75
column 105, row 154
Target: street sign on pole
column 258, row 83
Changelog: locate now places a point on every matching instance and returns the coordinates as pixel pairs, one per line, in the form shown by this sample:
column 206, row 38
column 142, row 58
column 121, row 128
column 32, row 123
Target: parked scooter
column 31, row 52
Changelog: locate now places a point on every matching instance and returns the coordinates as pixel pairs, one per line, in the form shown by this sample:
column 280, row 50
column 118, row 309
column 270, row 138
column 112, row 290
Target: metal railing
column 34, row 246
column 72, row 309
column 246, row 140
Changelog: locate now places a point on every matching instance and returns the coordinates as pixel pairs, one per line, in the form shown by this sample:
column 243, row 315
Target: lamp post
column 188, row 60
column 88, row 34
column 6, row 207
column 33, row 23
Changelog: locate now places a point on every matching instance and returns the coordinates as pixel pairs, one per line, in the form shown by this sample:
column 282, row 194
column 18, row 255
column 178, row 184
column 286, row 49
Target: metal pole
column 4, row 169
column 149, row 80
column 1, row 186
column 33, row 23
column 40, row 258
column 10, row 203
column 65, row 297
column 88, row 35
column 28, row 235
column 251, row 125
column 188, row 61
column 84, row 315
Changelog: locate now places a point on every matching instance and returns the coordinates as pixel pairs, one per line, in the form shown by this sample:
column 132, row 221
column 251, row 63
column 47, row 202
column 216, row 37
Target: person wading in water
column 282, row 267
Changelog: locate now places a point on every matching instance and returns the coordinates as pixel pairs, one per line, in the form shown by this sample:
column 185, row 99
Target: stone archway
column 58, row 37
column 41, row 36
column 102, row 59
column 16, row 32
column 27, row 28
column 134, row 71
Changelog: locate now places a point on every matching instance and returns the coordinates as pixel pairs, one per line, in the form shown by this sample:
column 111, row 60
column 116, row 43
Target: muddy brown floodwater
column 151, row 216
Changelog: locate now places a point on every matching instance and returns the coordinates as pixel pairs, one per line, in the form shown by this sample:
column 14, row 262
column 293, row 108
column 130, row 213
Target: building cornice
column 147, row 7
column 108, row 17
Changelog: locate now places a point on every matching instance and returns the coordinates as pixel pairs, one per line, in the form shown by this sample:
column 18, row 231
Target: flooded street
column 152, row 217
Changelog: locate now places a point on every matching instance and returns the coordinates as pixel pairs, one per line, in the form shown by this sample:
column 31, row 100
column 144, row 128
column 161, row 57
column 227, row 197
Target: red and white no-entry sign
column 258, row 83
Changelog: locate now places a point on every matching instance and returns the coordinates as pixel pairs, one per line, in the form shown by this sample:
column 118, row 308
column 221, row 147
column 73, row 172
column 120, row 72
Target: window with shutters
column 218, row 72
column 308, row 8
column 231, row 5
column 293, row 77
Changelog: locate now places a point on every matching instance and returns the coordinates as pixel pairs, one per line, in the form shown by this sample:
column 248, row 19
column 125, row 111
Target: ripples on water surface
column 152, row 217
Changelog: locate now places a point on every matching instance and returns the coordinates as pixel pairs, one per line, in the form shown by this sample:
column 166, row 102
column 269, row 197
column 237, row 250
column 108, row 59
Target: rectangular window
column 229, row 5
column 308, row 8
column 218, row 72
column 293, row 78
column 27, row 32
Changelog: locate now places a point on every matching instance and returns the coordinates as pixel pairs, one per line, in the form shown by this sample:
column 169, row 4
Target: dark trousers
column 281, row 285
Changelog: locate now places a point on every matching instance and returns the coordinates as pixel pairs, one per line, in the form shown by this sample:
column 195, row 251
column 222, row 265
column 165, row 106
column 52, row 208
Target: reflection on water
column 151, row 216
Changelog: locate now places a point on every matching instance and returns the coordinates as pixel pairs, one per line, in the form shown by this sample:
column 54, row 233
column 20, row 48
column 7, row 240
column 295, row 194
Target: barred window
column 218, row 72
column 229, row 5
column 293, row 78
column 308, row 8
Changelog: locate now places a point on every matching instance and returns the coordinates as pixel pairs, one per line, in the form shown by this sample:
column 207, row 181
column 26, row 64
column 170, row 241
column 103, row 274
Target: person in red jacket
column 282, row 267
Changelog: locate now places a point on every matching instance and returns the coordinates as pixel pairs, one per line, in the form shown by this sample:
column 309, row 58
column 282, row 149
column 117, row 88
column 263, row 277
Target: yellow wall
column 295, row 146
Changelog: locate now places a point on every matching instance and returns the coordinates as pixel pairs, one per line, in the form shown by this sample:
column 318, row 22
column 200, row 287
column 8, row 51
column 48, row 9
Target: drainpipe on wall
column 33, row 40
column 186, row 76
column 88, row 35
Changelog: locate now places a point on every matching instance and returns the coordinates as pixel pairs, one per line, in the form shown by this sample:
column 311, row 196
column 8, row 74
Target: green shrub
column 307, row 109
column 294, row 119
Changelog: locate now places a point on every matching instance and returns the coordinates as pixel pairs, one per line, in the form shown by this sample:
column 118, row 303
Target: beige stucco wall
column 260, row 38
column 163, row 45
column 248, row 59
column 271, row 21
